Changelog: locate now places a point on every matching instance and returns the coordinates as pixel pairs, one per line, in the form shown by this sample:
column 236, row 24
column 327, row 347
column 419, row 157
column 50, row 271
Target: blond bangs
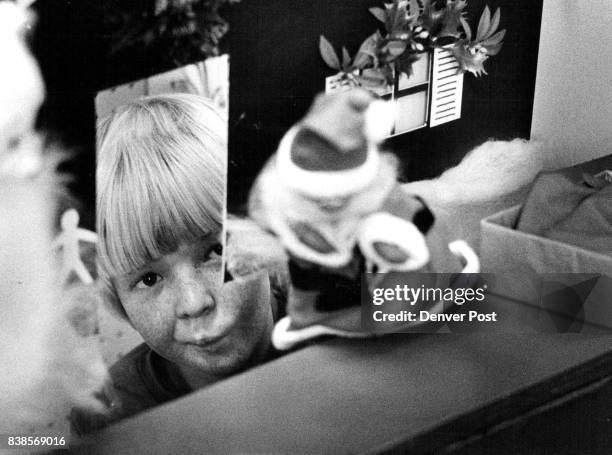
column 161, row 180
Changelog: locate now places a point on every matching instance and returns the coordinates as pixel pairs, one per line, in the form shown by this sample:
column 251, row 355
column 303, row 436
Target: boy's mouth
column 207, row 342
column 203, row 339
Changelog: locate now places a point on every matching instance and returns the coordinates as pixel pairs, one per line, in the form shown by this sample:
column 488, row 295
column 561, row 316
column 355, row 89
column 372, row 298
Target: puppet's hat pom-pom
column 379, row 119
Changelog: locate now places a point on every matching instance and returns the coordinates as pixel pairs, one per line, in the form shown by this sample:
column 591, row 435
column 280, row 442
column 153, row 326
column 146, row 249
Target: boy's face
column 184, row 312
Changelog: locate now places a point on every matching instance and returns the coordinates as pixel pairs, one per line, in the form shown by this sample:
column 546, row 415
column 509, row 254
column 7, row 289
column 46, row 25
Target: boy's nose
column 195, row 299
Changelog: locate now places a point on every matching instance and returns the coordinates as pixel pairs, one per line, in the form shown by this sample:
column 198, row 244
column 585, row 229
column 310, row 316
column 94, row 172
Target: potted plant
column 411, row 28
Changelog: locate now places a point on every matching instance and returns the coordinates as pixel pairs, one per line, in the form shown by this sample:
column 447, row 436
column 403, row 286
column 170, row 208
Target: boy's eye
column 148, row 280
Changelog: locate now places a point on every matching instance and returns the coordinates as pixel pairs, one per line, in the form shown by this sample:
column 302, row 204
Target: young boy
column 161, row 183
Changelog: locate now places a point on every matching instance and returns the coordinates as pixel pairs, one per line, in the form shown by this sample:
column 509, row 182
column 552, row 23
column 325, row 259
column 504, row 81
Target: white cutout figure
column 606, row 175
column 68, row 240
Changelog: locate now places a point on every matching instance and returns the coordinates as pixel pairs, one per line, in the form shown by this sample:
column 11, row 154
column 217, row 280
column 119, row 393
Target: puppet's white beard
column 45, row 368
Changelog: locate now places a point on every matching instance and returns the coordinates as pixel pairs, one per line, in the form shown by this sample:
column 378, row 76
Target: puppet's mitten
column 393, row 238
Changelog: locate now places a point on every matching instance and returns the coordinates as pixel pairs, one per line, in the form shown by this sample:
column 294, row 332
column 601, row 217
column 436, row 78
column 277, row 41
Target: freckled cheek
column 248, row 303
column 153, row 321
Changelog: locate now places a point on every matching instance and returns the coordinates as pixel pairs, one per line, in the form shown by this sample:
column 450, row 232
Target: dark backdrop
column 68, row 46
column 276, row 70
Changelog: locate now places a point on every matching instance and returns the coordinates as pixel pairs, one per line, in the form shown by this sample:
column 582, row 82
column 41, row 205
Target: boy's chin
column 219, row 366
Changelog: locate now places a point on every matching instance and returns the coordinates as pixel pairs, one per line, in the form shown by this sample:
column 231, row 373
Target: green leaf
column 366, row 55
column 362, row 60
column 328, row 54
column 405, row 63
column 399, row 20
column 414, row 8
column 346, row 58
column 466, row 28
column 451, row 19
column 483, row 24
column 379, row 14
column 368, row 47
column 493, row 49
column 494, row 23
column 495, row 39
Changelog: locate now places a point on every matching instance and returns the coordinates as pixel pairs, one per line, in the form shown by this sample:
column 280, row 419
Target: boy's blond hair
column 160, row 181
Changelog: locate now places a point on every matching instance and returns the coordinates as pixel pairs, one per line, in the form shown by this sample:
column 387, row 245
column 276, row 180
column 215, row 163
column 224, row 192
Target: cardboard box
column 571, row 284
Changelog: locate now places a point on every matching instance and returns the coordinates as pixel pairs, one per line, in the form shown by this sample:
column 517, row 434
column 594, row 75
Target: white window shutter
column 333, row 84
column 447, row 88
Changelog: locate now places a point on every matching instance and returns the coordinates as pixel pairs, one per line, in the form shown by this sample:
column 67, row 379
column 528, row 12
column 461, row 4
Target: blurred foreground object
column 46, row 368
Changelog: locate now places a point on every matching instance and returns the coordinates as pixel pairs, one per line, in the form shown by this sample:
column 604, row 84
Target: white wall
column 208, row 78
column 573, row 96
